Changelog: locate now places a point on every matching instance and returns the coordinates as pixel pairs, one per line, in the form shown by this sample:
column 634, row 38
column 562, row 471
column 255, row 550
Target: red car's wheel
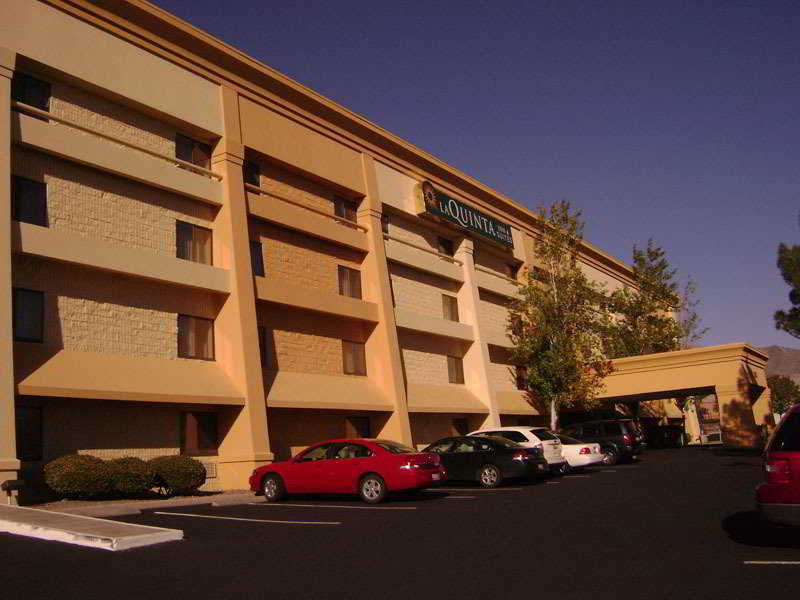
column 372, row 489
column 273, row 488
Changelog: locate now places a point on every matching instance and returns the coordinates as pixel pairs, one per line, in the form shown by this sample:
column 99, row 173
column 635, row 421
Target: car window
column 589, row 430
column 514, row 436
column 316, row 453
column 565, row 439
column 352, row 451
column 396, row 448
column 484, row 446
column 441, row 447
column 611, row 429
column 463, row 446
column 543, row 434
column 502, row 442
column 787, row 438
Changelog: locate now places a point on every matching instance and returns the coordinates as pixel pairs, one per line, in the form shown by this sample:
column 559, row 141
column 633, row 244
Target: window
column 511, row 270
column 192, row 151
column 29, row 432
column 358, row 427
column 455, row 369
column 539, row 275
column 441, row 447
column 354, row 358
column 195, row 337
column 787, row 439
column 514, row 436
column 522, row 377
column 385, row 223
column 28, row 201
column 450, row 307
column 461, row 426
column 252, row 173
column 349, row 282
column 445, row 246
column 31, row 91
column 199, row 433
column 351, row 451
column 265, row 346
column 316, row 453
column 193, row 242
column 344, row 209
column 463, row 446
column 256, row 258
column 28, row 315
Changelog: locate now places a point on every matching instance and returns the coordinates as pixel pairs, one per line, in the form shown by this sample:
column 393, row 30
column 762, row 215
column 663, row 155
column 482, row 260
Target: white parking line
column 552, row 482
column 573, row 476
column 771, row 562
column 279, row 504
column 251, row 520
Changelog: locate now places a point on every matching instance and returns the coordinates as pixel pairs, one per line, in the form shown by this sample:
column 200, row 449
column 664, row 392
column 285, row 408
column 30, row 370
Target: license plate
column 436, row 476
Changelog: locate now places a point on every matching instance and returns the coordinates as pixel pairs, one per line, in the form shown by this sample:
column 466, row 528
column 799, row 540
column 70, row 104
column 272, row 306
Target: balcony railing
column 496, row 274
column 30, row 110
column 347, row 222
column 446, row 257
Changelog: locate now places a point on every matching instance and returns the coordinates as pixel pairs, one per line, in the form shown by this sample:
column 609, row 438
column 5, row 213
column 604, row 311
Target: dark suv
column 619, row 438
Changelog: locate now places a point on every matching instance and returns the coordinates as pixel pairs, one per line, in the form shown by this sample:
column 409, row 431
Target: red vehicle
column 369, row 468
column 779, row 497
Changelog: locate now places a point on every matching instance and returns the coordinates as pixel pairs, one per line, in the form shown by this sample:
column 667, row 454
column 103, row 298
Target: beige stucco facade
column 106, row 377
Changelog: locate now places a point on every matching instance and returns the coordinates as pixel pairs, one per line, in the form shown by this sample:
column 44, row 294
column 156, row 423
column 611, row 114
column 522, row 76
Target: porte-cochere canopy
column 734, row 372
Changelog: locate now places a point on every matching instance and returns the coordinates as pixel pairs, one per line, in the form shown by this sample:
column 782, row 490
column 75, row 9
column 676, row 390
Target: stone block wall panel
column 100, row 206
column 420, row 292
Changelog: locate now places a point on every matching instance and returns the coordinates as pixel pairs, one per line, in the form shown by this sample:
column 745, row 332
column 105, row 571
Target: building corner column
column 245, row 444
column 476, row 359
column 736, row 420
column 384, row 363
column 9, row 464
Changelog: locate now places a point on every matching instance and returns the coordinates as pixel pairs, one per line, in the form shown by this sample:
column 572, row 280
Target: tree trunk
column 553, row 416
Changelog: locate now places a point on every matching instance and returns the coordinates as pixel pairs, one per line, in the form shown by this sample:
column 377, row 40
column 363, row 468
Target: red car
column 779, row 497
column 369, row 468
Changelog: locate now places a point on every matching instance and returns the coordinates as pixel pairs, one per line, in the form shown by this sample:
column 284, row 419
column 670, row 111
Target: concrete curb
column 82, row 530
column 120, row 509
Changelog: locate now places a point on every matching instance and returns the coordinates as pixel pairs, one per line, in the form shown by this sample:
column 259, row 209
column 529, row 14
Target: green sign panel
column 438, row 204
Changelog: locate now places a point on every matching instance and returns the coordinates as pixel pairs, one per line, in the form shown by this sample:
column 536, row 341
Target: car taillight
column 627, row 439
column 519, row 455
column 777, row 470
column 585, row 451
column 421, row 461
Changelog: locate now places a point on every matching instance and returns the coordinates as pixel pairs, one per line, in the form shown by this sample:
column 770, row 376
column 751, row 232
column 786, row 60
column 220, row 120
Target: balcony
column 283, row 292
column 407, row 319
column 423, row 259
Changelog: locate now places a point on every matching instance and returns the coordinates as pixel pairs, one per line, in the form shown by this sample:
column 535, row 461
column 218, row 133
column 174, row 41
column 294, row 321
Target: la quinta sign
column 436, row 203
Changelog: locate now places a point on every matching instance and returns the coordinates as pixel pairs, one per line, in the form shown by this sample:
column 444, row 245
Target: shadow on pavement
column 750, row 528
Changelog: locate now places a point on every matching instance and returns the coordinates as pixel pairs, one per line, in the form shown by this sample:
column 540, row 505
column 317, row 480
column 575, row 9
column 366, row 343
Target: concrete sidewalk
column 134, row 507
column 81, row 530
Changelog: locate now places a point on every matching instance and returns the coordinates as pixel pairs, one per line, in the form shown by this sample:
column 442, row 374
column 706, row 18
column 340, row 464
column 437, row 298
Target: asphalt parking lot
column 678, row 523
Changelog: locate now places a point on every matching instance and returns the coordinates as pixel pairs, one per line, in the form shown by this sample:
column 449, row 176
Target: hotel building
column 202, row 256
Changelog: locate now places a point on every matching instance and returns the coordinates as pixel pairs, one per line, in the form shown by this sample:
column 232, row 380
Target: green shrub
column 177, row 474
column 78, row 476
column 130, row 476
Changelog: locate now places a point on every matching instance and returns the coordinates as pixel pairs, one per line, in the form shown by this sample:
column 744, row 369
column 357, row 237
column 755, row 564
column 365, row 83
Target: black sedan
column 487, row 459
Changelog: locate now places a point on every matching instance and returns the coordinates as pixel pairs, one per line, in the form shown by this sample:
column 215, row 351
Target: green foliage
column 130, row 476
column 78, row 476
column 177, row 474
column 789, row 265
column 785, row 393
column 557, row 323
column 655, row 316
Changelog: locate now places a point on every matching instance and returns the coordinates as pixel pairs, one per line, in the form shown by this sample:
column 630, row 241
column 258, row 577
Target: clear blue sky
column 672, row 120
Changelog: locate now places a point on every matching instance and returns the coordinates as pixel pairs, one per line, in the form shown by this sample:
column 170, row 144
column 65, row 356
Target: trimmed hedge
column 79, row 476
column 177, row 474
column 130, row 476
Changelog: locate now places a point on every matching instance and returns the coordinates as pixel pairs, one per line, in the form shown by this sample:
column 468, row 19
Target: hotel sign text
column 436, row 203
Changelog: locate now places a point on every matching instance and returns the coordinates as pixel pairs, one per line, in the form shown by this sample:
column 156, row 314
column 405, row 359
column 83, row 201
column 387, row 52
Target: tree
column 655, row 315
column 785, row 393
column 557, row 322
column 789, row 265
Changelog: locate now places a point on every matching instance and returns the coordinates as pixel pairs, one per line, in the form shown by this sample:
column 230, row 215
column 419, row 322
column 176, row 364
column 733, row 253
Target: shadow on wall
column 737, row 422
